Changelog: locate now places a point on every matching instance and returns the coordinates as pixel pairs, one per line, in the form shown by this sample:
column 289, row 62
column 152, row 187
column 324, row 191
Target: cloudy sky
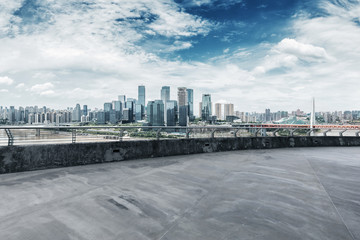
column 256, row 54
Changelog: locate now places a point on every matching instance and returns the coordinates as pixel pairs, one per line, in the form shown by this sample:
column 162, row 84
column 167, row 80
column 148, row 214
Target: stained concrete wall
column 34, row 157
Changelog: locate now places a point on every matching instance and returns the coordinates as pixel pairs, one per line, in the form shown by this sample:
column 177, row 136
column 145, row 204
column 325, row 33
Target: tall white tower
column 312, row 117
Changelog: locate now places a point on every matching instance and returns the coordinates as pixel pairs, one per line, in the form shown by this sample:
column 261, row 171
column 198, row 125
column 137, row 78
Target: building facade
column 206, row 110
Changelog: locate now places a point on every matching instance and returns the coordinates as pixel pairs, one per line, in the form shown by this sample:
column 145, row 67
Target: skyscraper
column 206, row 111
column 76, row 116
column 183, row 106
column 190, row 100
column 107, row 110
column 267, row 115
column 218, row 111
column 130, row 105
column 141, row 95
column 122, row 98
column 117, row 106
column 155, row 113
column 139, row 112
column 165, row 96
column 85, row 110
column 165, row 93
column 228, row 110
column 200, row 107
column 12, row 115
column 171, row 113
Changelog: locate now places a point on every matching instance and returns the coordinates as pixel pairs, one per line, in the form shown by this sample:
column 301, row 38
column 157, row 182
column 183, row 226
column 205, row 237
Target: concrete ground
column 303, row 193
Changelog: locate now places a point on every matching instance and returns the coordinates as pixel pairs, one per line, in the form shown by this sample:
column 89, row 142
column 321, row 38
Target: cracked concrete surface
column 303, row 193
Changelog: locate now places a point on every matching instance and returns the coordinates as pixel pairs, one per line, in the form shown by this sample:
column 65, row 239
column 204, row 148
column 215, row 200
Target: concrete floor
column 303, row 193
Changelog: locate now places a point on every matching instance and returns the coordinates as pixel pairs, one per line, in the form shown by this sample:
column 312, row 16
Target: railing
column 22, row 135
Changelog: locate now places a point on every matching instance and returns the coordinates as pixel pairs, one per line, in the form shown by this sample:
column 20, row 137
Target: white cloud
column 44, row 75
column 47, row 93
column 95, row 52
column 303, row 51
column 289, row 53
column 6, row 80
column 3, row 90
column 41, row 88
column 20, row 85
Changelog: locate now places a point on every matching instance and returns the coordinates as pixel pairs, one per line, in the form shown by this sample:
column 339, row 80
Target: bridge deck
column 305, row 193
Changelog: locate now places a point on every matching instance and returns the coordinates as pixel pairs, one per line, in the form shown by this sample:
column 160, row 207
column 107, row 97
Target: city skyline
column 173, row 96
column 164, row 112
column 254, row 54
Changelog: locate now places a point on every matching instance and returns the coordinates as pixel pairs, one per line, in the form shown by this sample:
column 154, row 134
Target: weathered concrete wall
column 26, row 158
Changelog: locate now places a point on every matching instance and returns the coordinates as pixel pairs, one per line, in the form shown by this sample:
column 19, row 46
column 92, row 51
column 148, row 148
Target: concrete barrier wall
column 34, row 157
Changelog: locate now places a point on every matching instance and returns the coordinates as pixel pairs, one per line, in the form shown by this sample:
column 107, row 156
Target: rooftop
column 302, row 193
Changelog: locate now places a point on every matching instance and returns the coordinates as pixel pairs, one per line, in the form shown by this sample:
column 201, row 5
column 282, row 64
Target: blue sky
column 256, row 54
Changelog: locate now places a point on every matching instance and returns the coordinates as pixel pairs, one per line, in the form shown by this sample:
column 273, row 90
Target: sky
column 256, row 54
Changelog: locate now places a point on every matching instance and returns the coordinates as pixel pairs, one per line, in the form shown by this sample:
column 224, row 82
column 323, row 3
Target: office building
column 107, row 109
column 76, row 116
column 165, row 93
column 228, row 110
column 141, row 95
column 165, row 97
column 171, row 113
column 206, row 111
column 139, row 112
column 126, row 115
column 122, row 98
column 84, row 111
column 218, row 111
column 200, row 106
column 183, row 106
column 100, row 117
column 267, row 115
column 117, row 107
column 155, row 113
column 190, row 102
column 113, row 117
column 130, row 105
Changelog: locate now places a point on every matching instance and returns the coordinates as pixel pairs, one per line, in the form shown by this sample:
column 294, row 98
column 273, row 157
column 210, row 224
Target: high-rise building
column 100, row 117
column 228, row 110
column 165, row 96
column 200, row 107
column 155, row 113
column 139, row 112
column 171, row 113
column 130, row 105
column 107, row 110
column 122, row 98
column 113, row 117
column 126, row 115
column 183, row 106
column 12, row 115
column 85, row 110
column 206, row 111
column 190, row 100
column 76, row 116
column 218, row 111
column 141, row 95
column 267, row 115
column 117, row 107
column 165, row 93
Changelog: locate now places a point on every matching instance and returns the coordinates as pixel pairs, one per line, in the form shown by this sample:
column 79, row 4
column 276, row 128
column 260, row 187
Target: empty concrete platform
column 303, row 193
